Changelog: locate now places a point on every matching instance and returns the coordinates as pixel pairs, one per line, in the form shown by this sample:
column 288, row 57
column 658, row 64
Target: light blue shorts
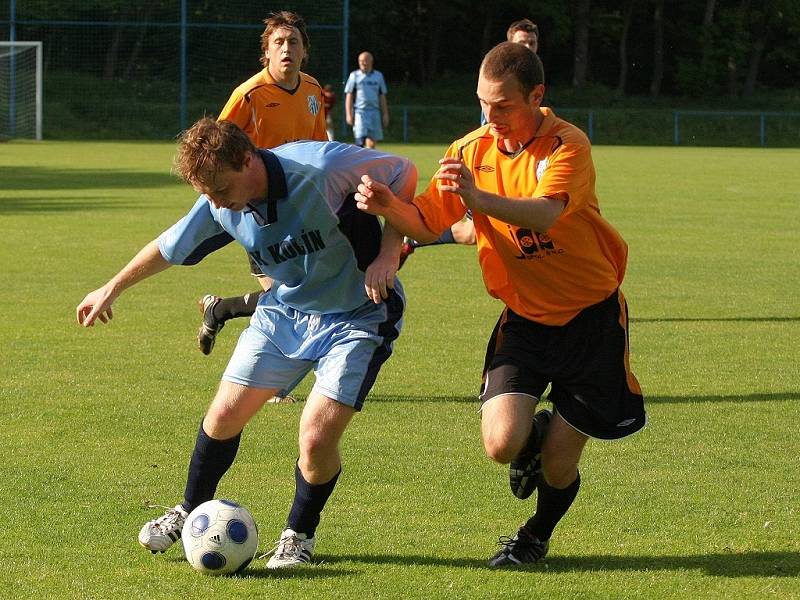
column 367, row 124
column 346, row 350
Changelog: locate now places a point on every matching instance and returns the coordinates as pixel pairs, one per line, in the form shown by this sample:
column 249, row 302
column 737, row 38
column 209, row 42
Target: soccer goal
column 21, row 90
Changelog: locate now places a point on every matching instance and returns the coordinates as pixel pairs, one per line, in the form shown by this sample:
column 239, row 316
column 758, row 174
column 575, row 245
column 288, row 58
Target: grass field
column 99, row 423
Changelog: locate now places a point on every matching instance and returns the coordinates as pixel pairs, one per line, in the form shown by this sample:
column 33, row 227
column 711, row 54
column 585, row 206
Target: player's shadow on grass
column 43, row 178
column 713, row 319
column 258, row 570
column 756, row 397
column 46, row 205
column 745, row 564
column 700, row 399
column 311, row 571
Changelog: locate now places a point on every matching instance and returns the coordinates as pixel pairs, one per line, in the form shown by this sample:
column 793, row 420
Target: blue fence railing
column 630, row 126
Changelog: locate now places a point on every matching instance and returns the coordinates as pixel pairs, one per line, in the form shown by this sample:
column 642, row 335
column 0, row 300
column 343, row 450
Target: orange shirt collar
column 547, row 123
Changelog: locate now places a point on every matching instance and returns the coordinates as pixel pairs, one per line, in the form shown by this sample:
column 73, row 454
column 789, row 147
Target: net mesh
column 17, row 91
column 115, row 69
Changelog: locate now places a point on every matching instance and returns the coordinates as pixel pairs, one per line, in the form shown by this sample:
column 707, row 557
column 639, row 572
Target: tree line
column 692, row 48
column 643, row 47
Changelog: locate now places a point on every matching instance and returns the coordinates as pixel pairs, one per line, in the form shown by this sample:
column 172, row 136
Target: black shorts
column 586, row 361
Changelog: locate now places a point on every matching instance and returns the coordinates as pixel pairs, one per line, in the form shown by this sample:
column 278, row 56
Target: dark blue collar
column 276, row 189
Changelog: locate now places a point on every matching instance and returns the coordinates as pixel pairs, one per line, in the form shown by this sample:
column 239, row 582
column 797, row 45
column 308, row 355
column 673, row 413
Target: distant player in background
column 278, row 104
column 293, row 210
column 526, row 33
column 328, row 102
column 366, row 107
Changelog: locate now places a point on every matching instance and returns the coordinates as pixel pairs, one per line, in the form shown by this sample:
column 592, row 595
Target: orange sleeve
column 569, row 176
column 236, row 110
column 439, row 209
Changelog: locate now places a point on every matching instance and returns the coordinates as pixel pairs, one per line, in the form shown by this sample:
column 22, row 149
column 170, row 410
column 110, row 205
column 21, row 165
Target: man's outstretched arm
column 97, row 304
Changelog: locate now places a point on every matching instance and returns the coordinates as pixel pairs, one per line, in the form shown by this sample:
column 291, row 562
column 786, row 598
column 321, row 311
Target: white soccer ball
column 219, row 537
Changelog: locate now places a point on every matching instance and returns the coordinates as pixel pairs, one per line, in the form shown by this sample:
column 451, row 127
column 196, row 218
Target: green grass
column 98, row 423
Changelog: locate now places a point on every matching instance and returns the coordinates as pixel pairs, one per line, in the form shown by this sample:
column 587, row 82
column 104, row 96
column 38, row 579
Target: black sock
column 309, row 500
column 551, row 505
column 237, row 306
column 210, row 460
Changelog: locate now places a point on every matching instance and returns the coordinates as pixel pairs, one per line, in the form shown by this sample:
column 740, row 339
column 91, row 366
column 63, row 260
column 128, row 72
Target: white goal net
column 21, row 90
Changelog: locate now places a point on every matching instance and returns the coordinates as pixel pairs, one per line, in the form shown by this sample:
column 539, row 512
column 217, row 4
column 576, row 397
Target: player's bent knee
column 500, row 448
column 232, row 408
column 316, row 444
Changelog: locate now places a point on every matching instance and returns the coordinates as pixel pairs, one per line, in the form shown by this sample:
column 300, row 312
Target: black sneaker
column 210, row 327
column 524, row 470
column 523, row 548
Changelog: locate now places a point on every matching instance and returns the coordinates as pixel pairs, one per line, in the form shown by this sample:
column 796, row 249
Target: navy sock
column 446, row 237
column 309, row 500
column 551, row 505
column 237, row 306
column 210, row 461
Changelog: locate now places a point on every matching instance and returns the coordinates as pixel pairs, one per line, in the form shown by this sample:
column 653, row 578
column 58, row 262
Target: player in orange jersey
column 526, row 33
column 278, row 104
column 545, row 251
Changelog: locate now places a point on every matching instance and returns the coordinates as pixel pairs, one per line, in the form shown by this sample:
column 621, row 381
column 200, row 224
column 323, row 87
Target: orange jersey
column 272, row 116
column 549, row 276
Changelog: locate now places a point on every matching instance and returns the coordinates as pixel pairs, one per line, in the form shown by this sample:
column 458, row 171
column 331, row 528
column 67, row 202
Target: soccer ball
column 219, row 537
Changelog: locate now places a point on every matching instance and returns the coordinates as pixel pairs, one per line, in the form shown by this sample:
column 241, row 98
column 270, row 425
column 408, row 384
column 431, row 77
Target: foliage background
column 113, row 69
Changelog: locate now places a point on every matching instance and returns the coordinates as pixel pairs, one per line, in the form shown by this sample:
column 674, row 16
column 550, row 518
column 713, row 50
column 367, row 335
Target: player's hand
column 373, row 197
column 96, row 305
column 455, row 177
column 379, row 277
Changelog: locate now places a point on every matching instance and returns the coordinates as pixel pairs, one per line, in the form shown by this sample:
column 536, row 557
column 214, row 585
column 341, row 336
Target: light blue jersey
column 307, row 234
column 368, row 88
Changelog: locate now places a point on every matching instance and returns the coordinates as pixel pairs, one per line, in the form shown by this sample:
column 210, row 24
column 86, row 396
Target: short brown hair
column 208, row 147
column 509, row 59
column 525, row 25
column 283, row 18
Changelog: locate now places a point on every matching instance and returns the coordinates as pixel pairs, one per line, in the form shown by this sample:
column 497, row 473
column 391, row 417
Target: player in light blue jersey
column 366, row 107
column 293, row 210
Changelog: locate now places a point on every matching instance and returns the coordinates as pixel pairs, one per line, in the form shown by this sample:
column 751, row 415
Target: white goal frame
column 39, row 65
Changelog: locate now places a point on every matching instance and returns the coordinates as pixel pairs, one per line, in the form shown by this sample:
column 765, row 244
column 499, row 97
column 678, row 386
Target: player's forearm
column 539, row 214
column 348, row 107
column 147, row 262
column 407, row 220
column 391, row 242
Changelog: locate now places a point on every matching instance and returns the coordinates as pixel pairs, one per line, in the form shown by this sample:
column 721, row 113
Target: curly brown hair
column 283, row 18
column 208, row 147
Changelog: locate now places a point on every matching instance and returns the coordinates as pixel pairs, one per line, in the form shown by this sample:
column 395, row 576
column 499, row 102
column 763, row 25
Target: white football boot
column 293, row 549
column 159, row 534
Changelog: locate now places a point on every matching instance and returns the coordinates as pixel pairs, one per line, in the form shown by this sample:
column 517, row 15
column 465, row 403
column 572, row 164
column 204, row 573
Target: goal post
column 21, row 90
